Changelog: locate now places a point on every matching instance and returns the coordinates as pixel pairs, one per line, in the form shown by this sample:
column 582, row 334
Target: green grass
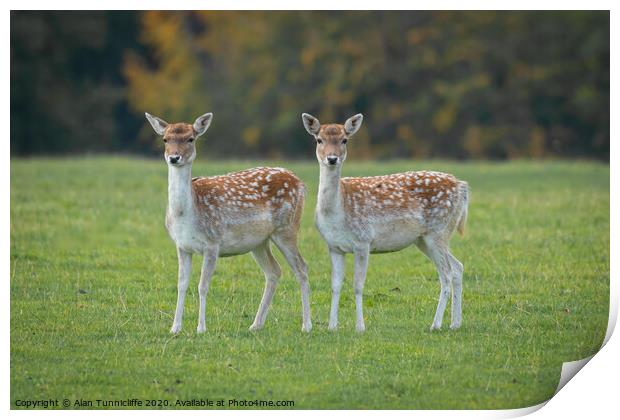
column 93, row 290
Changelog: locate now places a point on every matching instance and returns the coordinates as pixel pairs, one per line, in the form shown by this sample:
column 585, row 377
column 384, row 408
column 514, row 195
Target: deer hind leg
column 457, row 291
column 264, row 258
column 438, row 253
column 287, row 244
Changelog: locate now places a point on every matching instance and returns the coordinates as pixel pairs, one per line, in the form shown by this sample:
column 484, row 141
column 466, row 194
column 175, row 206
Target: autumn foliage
column 430, row 84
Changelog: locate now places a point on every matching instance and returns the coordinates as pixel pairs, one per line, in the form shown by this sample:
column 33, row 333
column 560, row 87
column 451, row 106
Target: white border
column 593, row 392
column 311, row 5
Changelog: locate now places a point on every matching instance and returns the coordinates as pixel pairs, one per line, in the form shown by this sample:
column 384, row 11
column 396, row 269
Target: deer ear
column 311, row 123
column 353, row 124
column 202, row 123
column 158, row 124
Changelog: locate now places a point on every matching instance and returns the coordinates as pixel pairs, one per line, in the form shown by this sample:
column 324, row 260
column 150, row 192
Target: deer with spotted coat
column 384, row 214
column 228, row 215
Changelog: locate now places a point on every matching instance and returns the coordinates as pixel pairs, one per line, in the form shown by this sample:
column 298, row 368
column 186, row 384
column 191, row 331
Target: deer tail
column 464, row 190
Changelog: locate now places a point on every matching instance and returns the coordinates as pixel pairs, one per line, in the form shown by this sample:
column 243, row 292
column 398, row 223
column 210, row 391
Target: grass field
column 93, row 290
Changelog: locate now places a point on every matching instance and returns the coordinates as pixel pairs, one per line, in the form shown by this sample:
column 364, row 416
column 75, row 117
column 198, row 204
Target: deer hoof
column 255, row 327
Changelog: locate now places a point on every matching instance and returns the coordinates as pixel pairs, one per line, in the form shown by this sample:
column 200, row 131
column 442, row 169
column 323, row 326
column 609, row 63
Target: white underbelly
column 386, row 236
column 394, row 235
column 233, row 237
column 243, row 238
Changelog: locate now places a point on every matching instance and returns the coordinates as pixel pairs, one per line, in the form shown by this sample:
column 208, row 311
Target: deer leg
column 361, row 266
column 338, row 262
column 287, row 244
column 438, row 254
column 457, row 291
column 185, row 269
column 264, row 258
column 208, row 267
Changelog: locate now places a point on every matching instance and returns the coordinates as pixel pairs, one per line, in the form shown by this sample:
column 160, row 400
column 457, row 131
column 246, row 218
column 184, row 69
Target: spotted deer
column 384, row 214
column 228, row 215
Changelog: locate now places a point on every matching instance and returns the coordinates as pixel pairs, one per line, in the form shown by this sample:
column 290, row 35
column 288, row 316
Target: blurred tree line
column 430, row 84
column 68, row 93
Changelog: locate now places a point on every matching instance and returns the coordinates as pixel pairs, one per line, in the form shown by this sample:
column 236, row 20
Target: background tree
column 67, row 89
column 431, row 84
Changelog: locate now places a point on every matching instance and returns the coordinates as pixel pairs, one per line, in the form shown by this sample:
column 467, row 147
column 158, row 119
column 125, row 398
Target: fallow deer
column 228, row 215
column 385, row 214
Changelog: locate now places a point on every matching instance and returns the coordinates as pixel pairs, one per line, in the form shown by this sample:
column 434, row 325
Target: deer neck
column 180, row 196
column 329, row 199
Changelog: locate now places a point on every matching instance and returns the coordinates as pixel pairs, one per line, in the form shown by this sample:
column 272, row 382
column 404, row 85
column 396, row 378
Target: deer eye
column 191, row 140
column 319, row 141
column 165, row 140
column 344, row 141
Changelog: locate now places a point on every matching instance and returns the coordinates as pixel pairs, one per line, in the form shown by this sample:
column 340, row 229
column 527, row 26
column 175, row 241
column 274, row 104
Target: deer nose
column 332, row 160
column 174, row 159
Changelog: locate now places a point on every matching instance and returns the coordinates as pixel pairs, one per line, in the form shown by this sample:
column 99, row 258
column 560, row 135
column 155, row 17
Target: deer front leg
column 361, row 265
column 185, row 269
column 337, row 279
column 208, row 267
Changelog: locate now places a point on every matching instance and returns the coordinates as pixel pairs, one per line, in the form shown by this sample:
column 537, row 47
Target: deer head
column 179, row 138
column 331, row 139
